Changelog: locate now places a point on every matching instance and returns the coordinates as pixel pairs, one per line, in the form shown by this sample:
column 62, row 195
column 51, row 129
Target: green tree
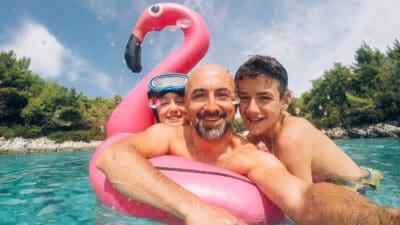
column 17, row 84
column 368, row 65
column 387, row 93
column 54, row 107
column 239, row 126
column 364, row 93
column 361, row 108
column 327, row 97
column 30, row 106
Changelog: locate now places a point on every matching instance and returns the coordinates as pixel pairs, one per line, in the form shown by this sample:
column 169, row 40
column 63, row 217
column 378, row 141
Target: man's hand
column 211, row 215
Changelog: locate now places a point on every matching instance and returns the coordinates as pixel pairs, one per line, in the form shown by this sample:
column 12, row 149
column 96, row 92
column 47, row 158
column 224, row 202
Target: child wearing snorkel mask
column 166, row 98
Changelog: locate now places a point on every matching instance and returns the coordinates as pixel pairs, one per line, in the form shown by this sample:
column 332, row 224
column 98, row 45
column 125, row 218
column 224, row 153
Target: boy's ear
column 286, row 99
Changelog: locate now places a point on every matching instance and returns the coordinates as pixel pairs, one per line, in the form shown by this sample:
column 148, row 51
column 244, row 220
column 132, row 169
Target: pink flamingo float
column 216, row 186
column 133, row 113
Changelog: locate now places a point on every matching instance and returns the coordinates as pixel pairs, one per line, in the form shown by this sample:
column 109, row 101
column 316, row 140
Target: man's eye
column 198, row 97
column 244, row 99
column 223, row 97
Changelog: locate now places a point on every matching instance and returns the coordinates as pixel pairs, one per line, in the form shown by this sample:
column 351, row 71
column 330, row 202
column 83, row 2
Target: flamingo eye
column 155, row 10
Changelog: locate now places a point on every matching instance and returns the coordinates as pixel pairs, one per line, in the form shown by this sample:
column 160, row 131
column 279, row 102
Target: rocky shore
column 367, row 131
column 23, row 146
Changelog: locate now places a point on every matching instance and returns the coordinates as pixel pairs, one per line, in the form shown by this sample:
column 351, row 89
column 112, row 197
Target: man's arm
column 331, row 204
column 127, row 168
column 317, row 203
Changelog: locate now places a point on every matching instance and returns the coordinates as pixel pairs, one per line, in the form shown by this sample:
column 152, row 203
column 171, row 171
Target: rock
column 386, row 130
column 336, row 132
column 20, row 145
column 368, row 131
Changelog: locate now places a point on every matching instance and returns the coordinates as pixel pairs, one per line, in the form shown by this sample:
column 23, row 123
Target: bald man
column 209, row 138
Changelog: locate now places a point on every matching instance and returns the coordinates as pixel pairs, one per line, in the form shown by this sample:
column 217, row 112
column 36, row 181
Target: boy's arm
column 294, row 148
column 297, row 158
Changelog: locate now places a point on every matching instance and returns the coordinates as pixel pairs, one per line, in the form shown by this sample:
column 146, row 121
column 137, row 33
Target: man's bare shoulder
column 240, row 140
column 164, row 129
column 163, row 133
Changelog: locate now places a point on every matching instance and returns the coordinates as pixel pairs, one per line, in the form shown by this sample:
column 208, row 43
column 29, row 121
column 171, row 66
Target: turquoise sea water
column 53, row 188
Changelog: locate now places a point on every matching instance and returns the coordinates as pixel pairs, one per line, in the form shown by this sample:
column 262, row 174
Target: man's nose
column 212, row 104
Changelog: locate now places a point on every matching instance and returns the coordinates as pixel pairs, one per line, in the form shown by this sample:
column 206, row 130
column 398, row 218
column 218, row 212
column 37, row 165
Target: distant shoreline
column 42, row 145
column 367, row 131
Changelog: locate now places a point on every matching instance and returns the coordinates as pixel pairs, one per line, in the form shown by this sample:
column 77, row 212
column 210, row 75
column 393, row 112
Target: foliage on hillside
column 31, row 107
column 367, row 92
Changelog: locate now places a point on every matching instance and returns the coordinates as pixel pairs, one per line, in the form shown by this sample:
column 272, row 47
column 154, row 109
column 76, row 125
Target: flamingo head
column 154, row 18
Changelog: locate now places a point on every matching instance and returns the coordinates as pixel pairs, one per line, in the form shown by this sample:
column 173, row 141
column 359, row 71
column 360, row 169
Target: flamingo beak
column 133, row 54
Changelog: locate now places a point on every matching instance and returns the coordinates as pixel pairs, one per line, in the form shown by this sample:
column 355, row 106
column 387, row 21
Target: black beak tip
column 133, row 54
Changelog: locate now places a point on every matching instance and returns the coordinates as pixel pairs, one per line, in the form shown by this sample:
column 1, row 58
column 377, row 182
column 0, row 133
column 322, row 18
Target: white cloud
column 47, row 54
column 105, row 10
column 203, row 7
column 51, row 60
column 309, row 37
column 103, row 81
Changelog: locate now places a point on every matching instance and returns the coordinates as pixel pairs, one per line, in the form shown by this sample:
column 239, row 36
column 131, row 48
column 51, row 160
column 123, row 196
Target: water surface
column 53, row 188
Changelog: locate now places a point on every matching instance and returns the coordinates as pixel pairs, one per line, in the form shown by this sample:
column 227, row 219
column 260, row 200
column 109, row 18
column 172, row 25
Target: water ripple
column 13, row 202
column 35, row 191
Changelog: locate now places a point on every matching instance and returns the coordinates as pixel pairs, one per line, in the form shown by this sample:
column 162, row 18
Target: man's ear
column 286, row 99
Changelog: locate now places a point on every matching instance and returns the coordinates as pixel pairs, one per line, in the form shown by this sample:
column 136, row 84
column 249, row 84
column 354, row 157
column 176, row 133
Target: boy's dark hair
column 266, row 65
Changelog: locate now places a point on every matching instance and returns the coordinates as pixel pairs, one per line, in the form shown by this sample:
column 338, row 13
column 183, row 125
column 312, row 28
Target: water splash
column 183, row 23
column 110, row 38
column 172, row 28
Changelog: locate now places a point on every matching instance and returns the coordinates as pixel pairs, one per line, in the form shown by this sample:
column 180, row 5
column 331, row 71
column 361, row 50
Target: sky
column 80, row 43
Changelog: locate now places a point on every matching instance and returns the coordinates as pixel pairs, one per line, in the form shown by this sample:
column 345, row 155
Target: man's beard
column 212, row 132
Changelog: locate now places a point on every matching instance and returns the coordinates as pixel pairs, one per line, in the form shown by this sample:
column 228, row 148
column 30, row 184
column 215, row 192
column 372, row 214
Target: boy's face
column 172, row 109
column 260, row 104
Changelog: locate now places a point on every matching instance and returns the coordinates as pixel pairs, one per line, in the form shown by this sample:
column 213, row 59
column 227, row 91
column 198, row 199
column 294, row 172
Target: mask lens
column 168, row 82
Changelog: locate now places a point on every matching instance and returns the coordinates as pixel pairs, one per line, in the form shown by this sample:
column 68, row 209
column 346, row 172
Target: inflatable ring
column 216, row 186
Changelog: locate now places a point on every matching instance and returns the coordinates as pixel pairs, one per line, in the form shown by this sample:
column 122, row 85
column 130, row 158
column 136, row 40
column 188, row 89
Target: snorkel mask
column 162, row 84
